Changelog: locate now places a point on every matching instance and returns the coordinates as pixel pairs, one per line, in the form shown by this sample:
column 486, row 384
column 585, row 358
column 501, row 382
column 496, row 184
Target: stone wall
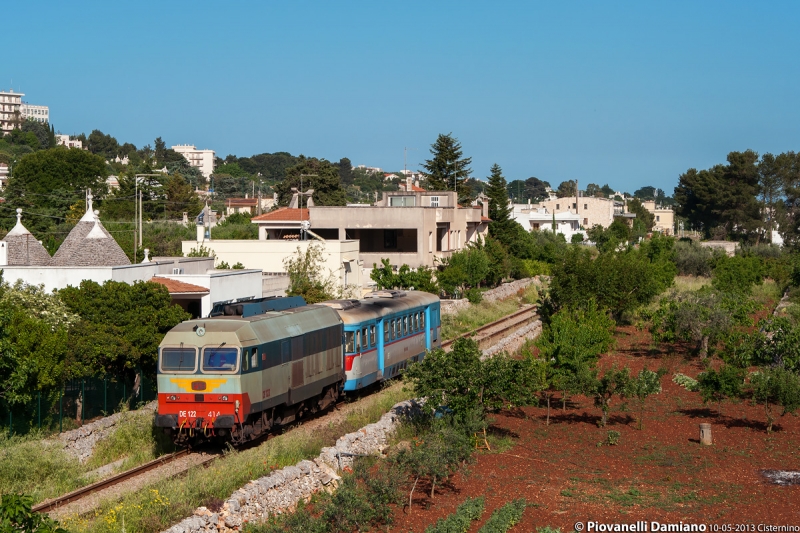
column 506, row 290
column 283, row 489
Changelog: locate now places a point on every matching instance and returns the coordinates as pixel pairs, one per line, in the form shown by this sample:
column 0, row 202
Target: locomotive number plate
column 265, row 394
column 190, row 414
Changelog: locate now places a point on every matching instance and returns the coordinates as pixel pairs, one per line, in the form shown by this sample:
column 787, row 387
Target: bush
column 737, row 274
column 531, row 268
column 475, row 296
column 16, row 516
column 693, row 260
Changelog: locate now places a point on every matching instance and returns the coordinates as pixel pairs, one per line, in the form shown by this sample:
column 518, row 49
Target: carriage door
column 298, row 353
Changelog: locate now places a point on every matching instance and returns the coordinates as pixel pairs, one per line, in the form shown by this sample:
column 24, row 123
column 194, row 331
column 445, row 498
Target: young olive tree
column 776, row 387
column 614, row 382
column 645, row 384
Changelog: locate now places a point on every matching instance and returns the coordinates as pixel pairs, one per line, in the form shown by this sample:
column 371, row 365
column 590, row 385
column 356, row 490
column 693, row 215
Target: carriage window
column 245, row 361
column 405, row 325
column 422, row 320
column 385, row 332
column 364, row 339
column 178, row 359
column 349, row 341
column 254, row 358
column 394, row 330
column 416, row 321
column 372, row 340
column 219, row 359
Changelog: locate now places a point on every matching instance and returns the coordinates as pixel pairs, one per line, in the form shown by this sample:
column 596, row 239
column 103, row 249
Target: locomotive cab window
column 220, row 359
column 254, row 358
column 183, row 359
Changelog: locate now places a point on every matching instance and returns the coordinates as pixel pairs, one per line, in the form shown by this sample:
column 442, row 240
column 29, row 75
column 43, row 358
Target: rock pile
column 80, row 442
column 283, row 489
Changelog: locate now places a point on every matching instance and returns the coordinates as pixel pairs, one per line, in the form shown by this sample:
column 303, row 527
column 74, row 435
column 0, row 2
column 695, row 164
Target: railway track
column 97, row 486
column 492, row 332
column 485, row 336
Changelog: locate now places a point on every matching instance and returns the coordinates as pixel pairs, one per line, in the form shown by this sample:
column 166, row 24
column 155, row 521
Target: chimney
column 201, row 232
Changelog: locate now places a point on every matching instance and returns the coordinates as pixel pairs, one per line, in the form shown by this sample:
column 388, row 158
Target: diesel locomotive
column 253, row 365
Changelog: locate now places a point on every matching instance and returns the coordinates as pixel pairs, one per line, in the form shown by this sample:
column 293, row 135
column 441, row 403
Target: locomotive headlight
column 173, row 397
column 237, row 406
column 223, row 398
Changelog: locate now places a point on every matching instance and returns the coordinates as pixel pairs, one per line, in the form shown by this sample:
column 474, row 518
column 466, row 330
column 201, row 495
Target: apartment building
column 10, row 113
column 202, row 159
column 64, row 140
column 39, row 113
column 590, row 210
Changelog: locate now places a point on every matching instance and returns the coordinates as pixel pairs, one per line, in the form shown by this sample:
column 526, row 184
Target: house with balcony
column 414, row 227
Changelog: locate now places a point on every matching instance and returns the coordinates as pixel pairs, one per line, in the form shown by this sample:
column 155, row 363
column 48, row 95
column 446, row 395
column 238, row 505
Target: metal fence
column 76, row 402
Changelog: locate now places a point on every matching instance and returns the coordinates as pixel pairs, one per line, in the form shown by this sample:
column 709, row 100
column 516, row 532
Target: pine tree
column 502, row 226
column 447, row 170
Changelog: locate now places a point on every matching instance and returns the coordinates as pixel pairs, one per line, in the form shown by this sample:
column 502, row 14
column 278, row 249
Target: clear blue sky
column 629, row 94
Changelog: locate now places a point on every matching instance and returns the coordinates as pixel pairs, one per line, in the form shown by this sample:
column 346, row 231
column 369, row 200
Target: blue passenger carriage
column 385, row 332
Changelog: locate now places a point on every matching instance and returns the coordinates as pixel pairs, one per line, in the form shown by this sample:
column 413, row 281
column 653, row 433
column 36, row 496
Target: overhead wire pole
column 137, row 203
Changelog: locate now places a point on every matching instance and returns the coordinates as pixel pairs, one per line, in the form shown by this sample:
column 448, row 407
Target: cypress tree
column 502, row 226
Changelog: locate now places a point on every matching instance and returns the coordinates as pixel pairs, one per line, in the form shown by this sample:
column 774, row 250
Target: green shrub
column 737, row 274
column 459, row 522
column 505, row 517
column 693, row 260
column 16, row 516
column 686, row 382
column 612, row 439
column 475, row 296
column 531, row 268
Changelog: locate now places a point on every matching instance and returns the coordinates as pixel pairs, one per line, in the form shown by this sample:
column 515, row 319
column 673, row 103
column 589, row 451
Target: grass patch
column 505, row 517
column 136, row 439
column 691, row 283
column 767, row 292
column 479, row 315
column 166, row 502
column 37, row 467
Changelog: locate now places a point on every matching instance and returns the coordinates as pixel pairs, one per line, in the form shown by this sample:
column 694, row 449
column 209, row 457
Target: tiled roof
column 284, row 213
column 177, row 287
column 485, row 219
column 240, row 201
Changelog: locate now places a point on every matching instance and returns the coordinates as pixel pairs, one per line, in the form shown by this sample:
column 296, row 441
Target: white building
column 39, row 113
column 10, row 103
column 3, row 175
column 64, row 140
column 202, row 159
column 534, row 218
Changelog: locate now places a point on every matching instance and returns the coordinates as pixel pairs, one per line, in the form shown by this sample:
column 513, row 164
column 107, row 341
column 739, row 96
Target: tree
column 705, row 317
column 645, row 193
column 722, row 200
column 135, row 317
column 594, row 190
column 312, row 173
column 345, row 171
column 787, row 167
column 306, row 276
column 181, row 198
column 48, row 182
column 647, row 218
column 463, row 270
column 645, row 384
column 772, row 173
column 532, row 189
column 776, row 387
column 448, row 169
column 101, row 144
column 464, row 384
column 567, row 189
column 615, row 382
column 420, row 279
column 715, row 386
column 39, row 129
column 501, row 226
column 160, row 150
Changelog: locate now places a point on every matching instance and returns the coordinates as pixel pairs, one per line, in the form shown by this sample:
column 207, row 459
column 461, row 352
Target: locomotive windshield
column 178, row 359
column 219, row 359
